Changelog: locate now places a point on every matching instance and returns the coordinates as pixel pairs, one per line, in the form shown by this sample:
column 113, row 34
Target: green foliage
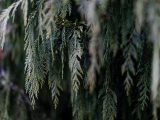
column 130, row 54
column 109, row 105
column 34, row 64
column 143, row 86
column 54, row 82
column 91, row 49
column 75, row 53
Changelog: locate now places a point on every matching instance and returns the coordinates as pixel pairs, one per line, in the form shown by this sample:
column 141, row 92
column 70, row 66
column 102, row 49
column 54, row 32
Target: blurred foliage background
column 79, row 59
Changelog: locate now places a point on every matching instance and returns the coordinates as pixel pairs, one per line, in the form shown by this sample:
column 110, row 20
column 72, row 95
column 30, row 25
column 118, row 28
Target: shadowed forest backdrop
column 79, row 59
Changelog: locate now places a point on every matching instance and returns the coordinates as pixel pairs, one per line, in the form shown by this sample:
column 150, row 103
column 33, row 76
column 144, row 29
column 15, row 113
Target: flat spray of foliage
column 106, row 45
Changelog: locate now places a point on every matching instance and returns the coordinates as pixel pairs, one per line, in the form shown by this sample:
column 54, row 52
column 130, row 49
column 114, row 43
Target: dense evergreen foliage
column 96, row 59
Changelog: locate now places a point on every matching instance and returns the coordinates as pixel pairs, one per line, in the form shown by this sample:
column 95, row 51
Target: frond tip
column 55, row 90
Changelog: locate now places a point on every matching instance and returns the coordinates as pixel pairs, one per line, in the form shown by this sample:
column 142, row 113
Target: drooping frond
column 54, row 82
column 24, row 7
column 54, row 67
column 143, row 86
column 34, row 65
column 109, row 105
column 4, row 17
column 130, row 54
column 143, row 97
column 76, row 52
